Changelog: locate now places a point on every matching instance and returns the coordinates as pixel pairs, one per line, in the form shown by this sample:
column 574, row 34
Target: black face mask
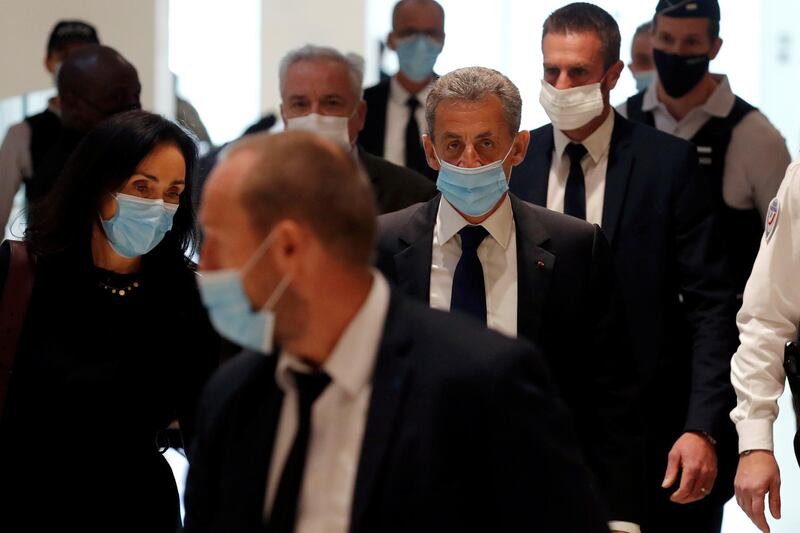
column 680, row 74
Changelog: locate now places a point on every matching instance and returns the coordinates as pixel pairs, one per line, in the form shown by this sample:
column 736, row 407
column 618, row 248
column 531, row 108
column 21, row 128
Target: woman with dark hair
column 115, row 344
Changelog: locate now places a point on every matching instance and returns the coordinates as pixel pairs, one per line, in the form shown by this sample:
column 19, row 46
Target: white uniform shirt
column 397, row 111
column 594, row 164
column 338, row 420
column 15, row 165
column 757, row 156
column 498, row 256
column 769, row 317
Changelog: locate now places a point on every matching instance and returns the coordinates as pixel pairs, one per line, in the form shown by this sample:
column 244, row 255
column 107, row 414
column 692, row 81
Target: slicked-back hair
column 582, row 17
column 472, row 84
column 300, row 176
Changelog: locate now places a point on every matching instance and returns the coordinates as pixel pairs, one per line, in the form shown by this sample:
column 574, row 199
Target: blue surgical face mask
column 473, row 191
column 229, row 309
column 417, row 55
column 644, row 79
column 138, row 225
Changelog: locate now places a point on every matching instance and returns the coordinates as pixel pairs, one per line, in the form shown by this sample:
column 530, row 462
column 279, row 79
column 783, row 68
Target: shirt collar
column 400, row 96
column 719, row 104
column 499, row 225
column 597, row 144
column 352, row 360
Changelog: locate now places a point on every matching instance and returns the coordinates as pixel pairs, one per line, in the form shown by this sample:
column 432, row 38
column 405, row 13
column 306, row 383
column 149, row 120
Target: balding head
column 429, row 10
column 94, row 83
column 302, row 177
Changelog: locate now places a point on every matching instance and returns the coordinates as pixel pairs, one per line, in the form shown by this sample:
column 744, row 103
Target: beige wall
column 289, row 24
column 137, row 28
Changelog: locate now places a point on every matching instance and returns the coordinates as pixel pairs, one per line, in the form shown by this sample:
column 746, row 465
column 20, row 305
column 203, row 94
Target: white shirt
column 768, row 318
column 338, row 420
column 498, row 256
column 594, row 164
column 397, row 111
column 757, row 156
column 15, row 165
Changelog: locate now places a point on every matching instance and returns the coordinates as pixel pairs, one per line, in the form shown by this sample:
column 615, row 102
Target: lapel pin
column 540, row 263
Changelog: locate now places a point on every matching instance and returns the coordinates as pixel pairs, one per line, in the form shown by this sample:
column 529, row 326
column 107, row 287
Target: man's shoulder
column 555, row 223
column 234, row 376
column 386, row 174
column 456, row 343
column 755, row 127
column 17, row 134
column 390, row 225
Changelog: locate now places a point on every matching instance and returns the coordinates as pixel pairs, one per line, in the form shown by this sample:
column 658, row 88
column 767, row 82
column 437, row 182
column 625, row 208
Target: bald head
column 303, row 177
column 94, row 83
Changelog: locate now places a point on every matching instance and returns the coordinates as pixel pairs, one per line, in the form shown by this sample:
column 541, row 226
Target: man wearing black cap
column 26, row 143
column 741, row 154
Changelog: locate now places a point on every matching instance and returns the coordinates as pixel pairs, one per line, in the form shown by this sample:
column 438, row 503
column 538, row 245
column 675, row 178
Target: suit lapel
column 531, row 178
column 620, row 165
column 255, row 439
column 534, row 269
column 389, row 387
column 413, row 262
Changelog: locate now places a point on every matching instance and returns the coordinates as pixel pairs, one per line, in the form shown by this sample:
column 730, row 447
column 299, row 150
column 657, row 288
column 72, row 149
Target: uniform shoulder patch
column 772, row 219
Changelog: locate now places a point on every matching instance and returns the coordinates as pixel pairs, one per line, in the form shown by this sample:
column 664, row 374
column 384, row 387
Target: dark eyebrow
column 153, row 178
column 484, row 135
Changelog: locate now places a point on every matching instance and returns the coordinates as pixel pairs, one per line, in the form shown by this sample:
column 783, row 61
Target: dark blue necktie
column 284, row 507
column 415, row 155
column 575, row 195
column 469, row 289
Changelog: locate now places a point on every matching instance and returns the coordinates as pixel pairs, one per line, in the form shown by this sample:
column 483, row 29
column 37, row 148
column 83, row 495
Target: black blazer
column 464, row 432
column 395, row 187
column 657, row 215
column 567, row 307
column 373, row 136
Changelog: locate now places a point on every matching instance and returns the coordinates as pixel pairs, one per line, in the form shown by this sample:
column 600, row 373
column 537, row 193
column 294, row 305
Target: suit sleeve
column 539, row 480
column 708, row 300
column 203, row 480
column 611, row 420
column 202, row 356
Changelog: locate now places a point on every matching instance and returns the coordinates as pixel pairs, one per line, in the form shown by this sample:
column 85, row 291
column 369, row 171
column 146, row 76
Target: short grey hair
column 311, row 52
column 472, row 84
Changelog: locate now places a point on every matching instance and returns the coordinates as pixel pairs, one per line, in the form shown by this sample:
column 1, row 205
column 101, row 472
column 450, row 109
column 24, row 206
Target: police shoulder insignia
column 772, row 219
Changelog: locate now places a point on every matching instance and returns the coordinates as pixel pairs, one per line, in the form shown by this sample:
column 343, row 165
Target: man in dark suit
column 523, row 270
column 396, row 107
column 368, row 412
column 321, row 92
column 642, row 187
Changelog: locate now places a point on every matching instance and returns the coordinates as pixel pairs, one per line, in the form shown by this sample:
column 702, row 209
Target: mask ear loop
column 263, row 247
column 272, row 301
column 282, row 285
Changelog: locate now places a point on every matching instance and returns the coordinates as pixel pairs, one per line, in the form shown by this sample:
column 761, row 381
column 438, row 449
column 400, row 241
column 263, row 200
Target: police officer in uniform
column 26, row 143
column 742, row 155
column 768, row 319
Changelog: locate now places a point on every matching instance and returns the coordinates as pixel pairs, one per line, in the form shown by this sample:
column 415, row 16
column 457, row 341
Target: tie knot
column 412, row 103
column 310, row 386
column 575, row 152
column 472, row 237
